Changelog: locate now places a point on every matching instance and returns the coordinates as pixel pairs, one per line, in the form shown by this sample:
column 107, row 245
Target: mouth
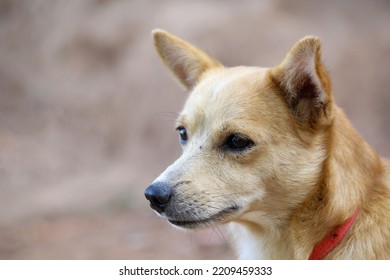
column 196, row 223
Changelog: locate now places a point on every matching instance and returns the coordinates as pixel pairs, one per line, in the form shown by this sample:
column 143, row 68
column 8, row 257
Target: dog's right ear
column 186, row 62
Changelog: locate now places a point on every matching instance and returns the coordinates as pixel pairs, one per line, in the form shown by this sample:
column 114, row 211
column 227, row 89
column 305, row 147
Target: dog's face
column 252, row 138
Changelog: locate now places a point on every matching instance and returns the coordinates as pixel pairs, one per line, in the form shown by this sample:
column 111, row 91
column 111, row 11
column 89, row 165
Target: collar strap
column 331, row 240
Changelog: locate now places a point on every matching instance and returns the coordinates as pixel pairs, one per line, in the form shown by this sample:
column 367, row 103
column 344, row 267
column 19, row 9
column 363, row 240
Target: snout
column 158, row 195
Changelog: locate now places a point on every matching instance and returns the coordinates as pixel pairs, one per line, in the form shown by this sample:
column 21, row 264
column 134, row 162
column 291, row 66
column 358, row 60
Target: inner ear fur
column 304, row 82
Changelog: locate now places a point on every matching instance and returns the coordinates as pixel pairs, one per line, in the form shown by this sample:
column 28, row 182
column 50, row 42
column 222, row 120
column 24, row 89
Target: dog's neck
column 343, row 189
column 342, row 178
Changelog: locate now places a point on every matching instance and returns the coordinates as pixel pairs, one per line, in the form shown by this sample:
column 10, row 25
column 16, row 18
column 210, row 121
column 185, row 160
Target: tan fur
column 307, row 171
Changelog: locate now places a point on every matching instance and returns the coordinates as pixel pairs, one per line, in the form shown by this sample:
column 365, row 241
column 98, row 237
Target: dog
column 268, row 152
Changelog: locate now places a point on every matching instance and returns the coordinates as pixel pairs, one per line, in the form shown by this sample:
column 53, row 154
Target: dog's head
column 253, row 138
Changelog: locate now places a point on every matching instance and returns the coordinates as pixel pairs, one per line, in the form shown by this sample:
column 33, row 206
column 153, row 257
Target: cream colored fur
column 307, row 171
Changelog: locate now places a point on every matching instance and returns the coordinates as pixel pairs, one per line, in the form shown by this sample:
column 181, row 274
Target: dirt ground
column 87, row 110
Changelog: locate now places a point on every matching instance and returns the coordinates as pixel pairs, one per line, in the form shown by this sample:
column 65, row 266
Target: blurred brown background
column 87, row 110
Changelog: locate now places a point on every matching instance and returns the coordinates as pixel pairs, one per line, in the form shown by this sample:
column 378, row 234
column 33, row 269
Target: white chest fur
column 254, row 245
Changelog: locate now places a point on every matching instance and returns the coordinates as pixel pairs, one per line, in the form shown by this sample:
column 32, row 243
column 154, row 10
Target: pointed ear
column 305, row 83
column 186, row 62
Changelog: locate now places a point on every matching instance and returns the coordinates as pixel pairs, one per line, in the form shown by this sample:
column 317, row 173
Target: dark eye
column 237, row 142
column 182, row 134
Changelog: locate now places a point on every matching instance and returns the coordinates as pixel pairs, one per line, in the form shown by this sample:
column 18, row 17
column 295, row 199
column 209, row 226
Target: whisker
column 227, row 195
column 219, row 233
column 171, row 116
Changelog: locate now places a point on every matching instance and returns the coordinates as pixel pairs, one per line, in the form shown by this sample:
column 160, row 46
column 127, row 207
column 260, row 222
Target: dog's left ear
column 305, row 83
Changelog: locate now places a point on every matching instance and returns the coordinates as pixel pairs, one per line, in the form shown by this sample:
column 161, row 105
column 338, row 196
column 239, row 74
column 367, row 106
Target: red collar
column 332, row 239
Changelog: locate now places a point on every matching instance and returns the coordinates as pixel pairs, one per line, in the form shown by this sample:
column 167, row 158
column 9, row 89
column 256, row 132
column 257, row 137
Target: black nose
column 158, row 195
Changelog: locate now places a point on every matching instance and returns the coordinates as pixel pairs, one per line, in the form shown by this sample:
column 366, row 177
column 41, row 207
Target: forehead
column 225, row 95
